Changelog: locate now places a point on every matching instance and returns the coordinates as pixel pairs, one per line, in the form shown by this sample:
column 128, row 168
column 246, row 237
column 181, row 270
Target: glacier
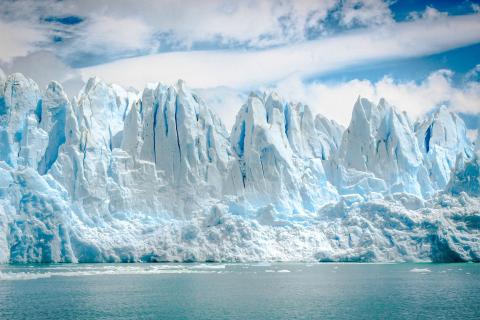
column 114, row 175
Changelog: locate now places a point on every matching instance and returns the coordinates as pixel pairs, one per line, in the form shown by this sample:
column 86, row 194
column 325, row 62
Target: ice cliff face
column 441, row 138
column 381, row 141
column 279, row 153
column 113, row 175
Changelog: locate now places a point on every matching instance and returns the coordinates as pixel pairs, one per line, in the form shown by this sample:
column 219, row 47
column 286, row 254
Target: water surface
column 241, row 291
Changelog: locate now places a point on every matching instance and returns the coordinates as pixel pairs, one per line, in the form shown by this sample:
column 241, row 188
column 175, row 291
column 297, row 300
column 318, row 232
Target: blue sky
column 418, row 54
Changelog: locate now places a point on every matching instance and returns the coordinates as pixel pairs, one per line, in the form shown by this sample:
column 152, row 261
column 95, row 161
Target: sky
column 419, row 55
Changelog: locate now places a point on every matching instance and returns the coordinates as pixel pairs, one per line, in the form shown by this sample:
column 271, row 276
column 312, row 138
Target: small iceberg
column 421, row 270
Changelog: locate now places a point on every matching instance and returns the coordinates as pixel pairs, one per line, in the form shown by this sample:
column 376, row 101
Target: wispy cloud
column 243, row 69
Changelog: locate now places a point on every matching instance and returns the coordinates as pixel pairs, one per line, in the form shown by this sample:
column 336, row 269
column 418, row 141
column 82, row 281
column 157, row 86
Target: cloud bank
column 336, row 100
column 243, row 69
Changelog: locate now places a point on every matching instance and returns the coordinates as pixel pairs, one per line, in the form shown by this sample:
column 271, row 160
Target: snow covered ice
column 113, row 175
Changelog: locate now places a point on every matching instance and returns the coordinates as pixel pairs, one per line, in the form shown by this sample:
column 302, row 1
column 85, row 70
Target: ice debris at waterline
column 108, row 270
column 113, row 175
column 420, row 270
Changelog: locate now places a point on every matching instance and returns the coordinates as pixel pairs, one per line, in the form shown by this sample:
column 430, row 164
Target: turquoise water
column 241, row 291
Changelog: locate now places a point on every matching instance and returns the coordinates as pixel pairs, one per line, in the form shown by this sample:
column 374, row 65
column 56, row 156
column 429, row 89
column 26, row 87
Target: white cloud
column 18, row 39
column 335, row 101
column 256, row 23
column 225, row 102
column 243, row 69
column 116, row 34
column 430, row 13
column 476, row 7
column 365, row 13
column 473, row 74
column 132, row 25
column 113, row 29
column 43, row 67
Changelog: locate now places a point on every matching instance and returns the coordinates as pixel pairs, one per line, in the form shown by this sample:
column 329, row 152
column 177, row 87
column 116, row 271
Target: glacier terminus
column 114, row 175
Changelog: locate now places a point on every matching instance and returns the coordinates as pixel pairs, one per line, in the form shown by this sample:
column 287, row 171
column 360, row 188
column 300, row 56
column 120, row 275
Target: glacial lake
column 240, row 291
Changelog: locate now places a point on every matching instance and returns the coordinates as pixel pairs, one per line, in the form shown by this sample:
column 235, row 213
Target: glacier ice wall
column 113, row 175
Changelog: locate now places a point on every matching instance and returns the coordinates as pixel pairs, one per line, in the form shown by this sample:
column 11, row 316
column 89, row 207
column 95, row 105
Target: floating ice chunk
column 101, row 271
column 262, row 264
column 208, row 266
column 420, row 270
